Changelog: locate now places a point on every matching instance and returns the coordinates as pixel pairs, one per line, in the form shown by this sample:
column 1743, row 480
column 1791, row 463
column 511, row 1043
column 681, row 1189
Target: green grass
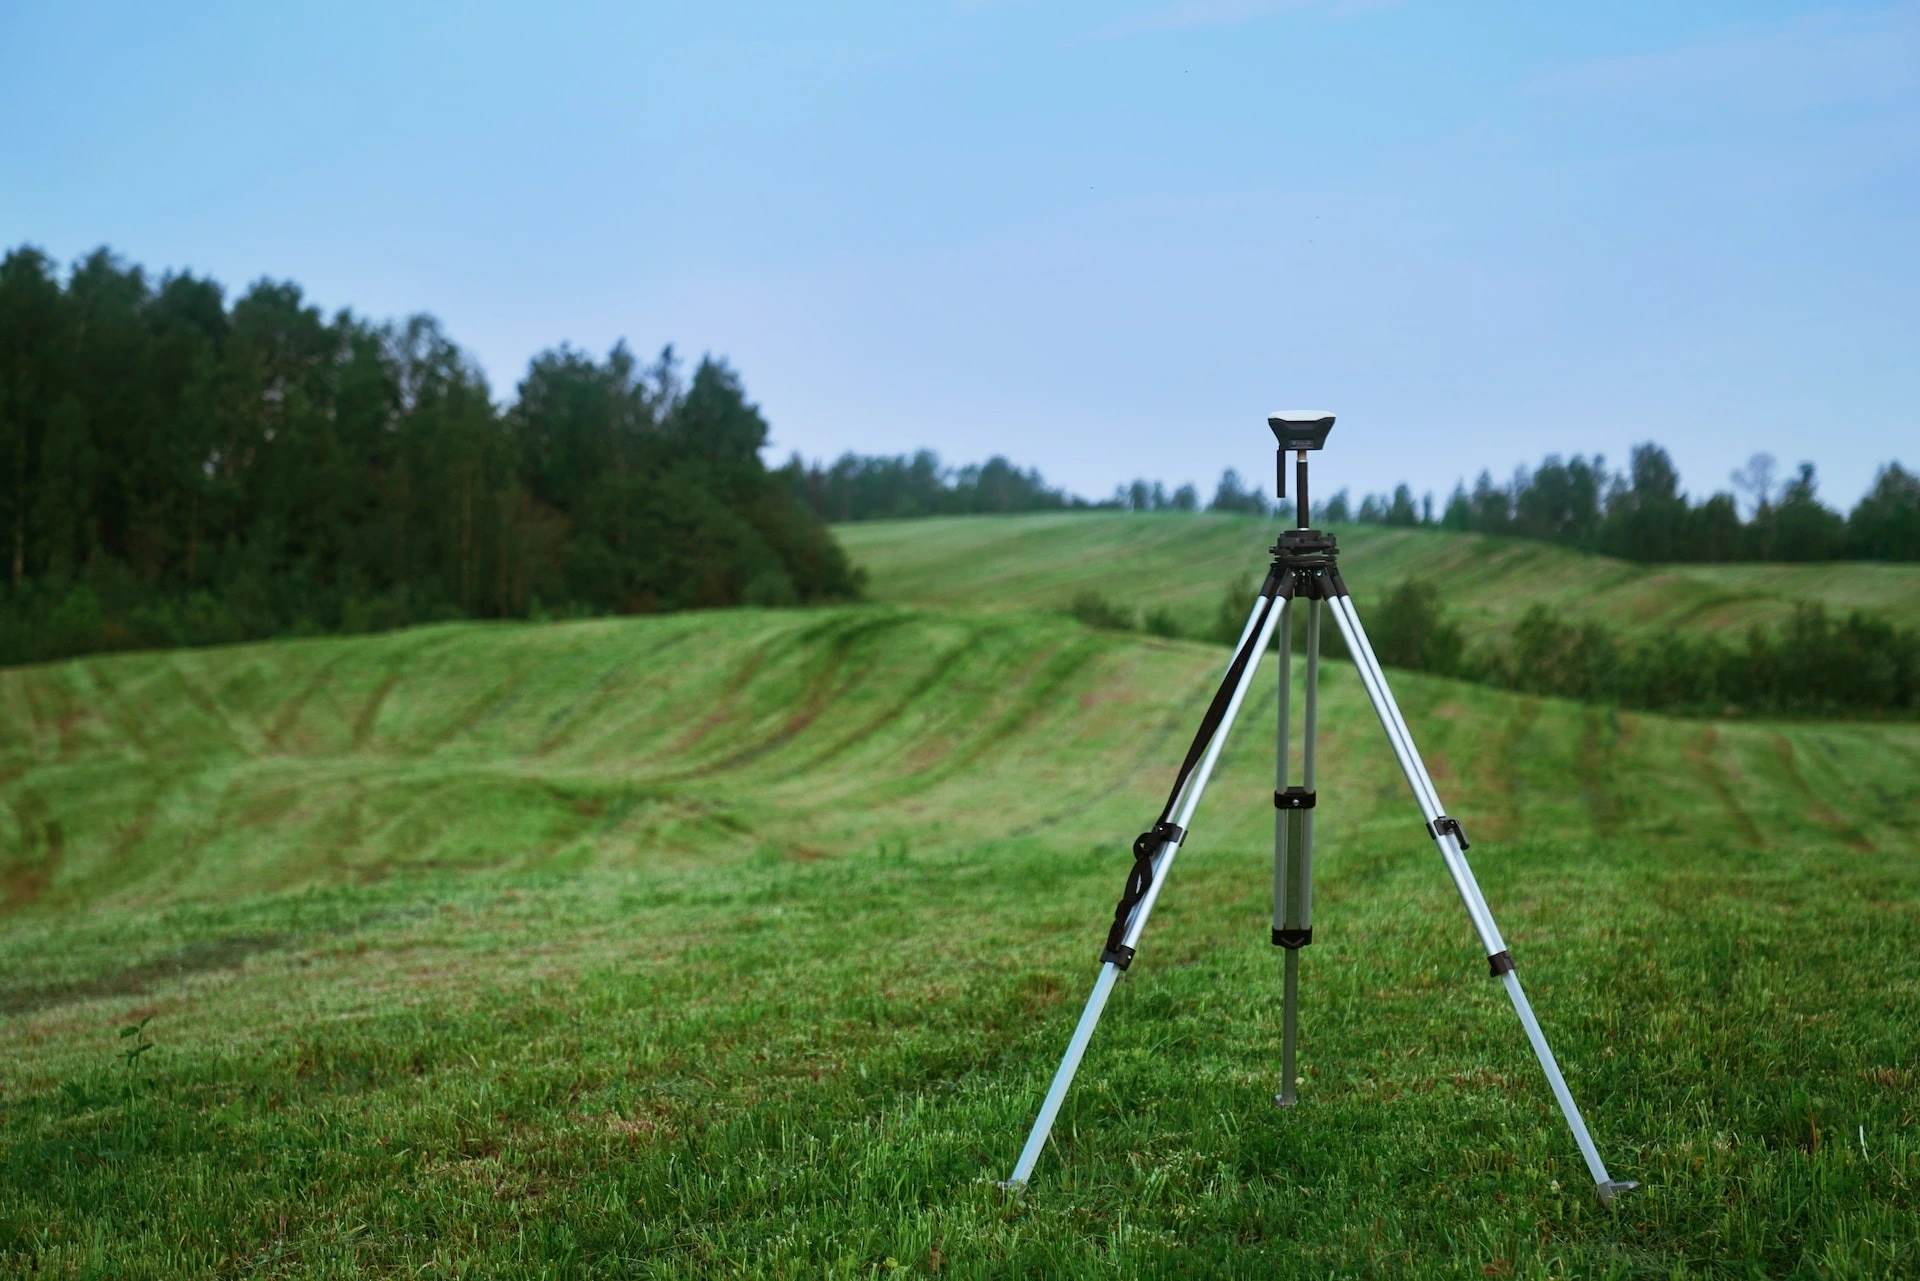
column 1185, row 561
column 744, row 944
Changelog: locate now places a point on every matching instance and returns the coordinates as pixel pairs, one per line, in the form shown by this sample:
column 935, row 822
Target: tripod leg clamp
column 1500, row 963
column 1148, row 843
column 1293, row 938
column 1139, row 880
column 1294, row 798
column 1452, row 827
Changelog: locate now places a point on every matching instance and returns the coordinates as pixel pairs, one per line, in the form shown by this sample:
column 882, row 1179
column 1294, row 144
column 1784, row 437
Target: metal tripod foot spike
column 1305, row 569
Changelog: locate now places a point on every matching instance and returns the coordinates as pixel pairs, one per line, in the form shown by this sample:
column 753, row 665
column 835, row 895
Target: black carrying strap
column 1164, row 830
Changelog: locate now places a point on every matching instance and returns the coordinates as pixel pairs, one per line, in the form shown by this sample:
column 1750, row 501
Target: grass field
column 1185, row 561
column 744, row 944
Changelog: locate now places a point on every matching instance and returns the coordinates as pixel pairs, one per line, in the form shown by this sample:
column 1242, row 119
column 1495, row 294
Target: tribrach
column 1305, row 568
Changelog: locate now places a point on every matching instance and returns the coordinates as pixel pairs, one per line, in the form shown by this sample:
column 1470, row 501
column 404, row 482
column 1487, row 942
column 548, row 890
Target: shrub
column 1095, row 610
column 1162, row 621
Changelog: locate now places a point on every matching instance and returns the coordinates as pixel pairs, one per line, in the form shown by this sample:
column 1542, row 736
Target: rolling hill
column 1185, row 561
column 744, row 943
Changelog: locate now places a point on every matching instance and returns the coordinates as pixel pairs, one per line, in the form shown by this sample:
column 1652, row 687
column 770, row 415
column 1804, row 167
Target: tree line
column 879, row 487
column 857, row 487
column 1638, row 514
column 1641, row 514
column 176, row 468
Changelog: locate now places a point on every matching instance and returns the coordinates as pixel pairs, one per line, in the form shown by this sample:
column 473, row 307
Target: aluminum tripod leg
column 1293, row 839
column 1264, row 618
column 1446, row 834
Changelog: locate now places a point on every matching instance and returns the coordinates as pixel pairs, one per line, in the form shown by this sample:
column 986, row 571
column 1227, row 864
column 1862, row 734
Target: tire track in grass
column 139, row 979
column 744, row 673
column 369, row 714
column 289, row 714
column 1813, row 802
column 113, row 867
column 565, row 725
column 367, row 719
column 498, row 697
column 37, row 720
column 40, row 733
column 111, row 705
column 1510, row 750
column 1053, row 673
column 821, row 689
column 209, row 706
column 43, row 845
column 1594, row 763
column 933, row 678
column 1700, row 754
column 1152, row 749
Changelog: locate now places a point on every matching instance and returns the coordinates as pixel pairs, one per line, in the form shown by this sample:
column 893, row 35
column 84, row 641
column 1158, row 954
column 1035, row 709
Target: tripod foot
column 1285, row 1100
column 1613, row 1188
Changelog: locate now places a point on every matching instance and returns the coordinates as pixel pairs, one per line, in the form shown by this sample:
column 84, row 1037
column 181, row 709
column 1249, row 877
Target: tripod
column 1305, row 569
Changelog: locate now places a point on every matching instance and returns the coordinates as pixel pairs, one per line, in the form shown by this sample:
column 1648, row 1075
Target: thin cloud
column 1794, row 63
column 1191, row 15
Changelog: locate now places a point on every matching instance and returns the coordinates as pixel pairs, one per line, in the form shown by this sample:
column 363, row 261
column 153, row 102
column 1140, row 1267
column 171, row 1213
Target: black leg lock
column 1293, row 938
column 1148, row 843
column 1294, row 798
column 1500, row 963
column 1139, row 881
column 1449, row 825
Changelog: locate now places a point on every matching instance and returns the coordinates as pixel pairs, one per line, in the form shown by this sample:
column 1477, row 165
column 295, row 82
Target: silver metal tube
column 1282, row 854
column 1281, row 766
column 1313, row 693
column 1426, row 779
column 1289, row 1026
column 1109, row 972
column 1297, row 887
column 1595, row 1166
column 1063, row 1077
column 1303, row 878
column 1422, row 783
column 1403, row 750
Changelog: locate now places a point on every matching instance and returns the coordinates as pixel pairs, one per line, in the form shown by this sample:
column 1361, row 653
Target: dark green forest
column 176, row 469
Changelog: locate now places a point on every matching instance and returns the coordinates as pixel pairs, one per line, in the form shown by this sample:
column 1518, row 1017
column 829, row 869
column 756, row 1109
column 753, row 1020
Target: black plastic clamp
column 1293, row 938
column 1450, row 826
column 1500, row 963
column 1294, row 798
column 1148, row 843
column 1121, row 957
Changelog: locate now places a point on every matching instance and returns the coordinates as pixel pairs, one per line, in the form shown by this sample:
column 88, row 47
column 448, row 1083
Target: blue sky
column 1103, row 239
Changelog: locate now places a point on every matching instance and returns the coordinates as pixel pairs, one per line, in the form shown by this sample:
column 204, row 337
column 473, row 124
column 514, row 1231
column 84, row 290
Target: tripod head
column 1299, row 430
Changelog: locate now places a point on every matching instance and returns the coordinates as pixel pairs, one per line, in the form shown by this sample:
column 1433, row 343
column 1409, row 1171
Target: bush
column 1162, row 621
column 1408, row 631
column 1095, row 610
